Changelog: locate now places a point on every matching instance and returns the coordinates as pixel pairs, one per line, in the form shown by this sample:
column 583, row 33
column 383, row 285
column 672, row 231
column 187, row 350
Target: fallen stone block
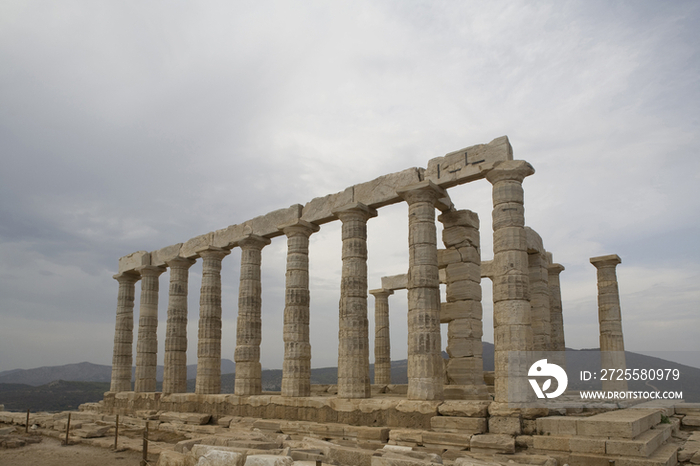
column 91, row 431
column 492, row 443
column 268, row 460
column 691, row 420
column 348, row 455
column 221, row 458
column 185, row 446
column 171, row 458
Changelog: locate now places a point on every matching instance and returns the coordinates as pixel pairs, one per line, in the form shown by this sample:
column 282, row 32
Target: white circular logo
column 542, row 369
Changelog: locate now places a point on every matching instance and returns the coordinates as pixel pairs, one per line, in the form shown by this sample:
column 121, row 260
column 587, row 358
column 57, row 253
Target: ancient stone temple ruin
column 446, row 402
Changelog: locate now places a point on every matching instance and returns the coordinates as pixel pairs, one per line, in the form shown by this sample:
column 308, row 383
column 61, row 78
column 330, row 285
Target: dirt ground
column 51, row 452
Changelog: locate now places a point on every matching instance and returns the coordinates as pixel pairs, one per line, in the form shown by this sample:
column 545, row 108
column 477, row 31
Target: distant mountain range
column 38, row 388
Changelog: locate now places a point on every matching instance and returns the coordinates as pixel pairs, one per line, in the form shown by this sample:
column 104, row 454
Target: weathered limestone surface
column 612, row 346
column 557, row 340
column 163, row 255
column 175, row 362
column 462, row 264
column 539, row 301
column 130, row 262
column 511, row 294
column 353, row 335
column 425, row 365
column 296, row 369
column 209, row 333
column 468, row 164
column 382, row 344
column 249, row 329
column 124, row 333
column 395, row 282
column 147, row 343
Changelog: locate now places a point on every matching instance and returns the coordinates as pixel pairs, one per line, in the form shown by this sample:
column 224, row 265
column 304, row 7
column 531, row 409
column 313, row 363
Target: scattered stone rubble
column 650, row 434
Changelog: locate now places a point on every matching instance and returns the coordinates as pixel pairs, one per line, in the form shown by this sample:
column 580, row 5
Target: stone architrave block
column 534, row 241
column 189, row 248
column 468, row 164
column 381, row 192
column 395, row 282
column 131, row 261
column 268, row 225
column 227, row 237
column 163, row 255
column 320, row 210
column 171, row 458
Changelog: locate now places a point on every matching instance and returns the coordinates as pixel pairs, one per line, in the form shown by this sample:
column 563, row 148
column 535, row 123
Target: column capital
column 381, row 292
column 354, row 209
column 555, row 269
column 426, row 191
column 150, row 270
column 180, row 263
column 606, row 261
column 253, row 242
column 212, row 252
column 127, row 277
column 515, row 170
column 299, row 227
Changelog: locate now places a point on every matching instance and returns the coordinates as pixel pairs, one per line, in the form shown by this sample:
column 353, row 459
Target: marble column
column 612, row 346
column 123, row 333
column 463, row 282
column 556, row 316
column 426, row 369
column 296, row 368
column 147, row 343
column 511, row 285
column 209, row 333
column 249, row 328
column 353, row 333
column 540, row 302
column 175, row 362
column 382, row 343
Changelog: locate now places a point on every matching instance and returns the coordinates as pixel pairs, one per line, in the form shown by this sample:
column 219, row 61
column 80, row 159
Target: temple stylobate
column 527, row 302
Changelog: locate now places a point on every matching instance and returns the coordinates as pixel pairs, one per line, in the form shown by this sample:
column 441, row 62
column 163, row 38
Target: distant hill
column 86, row 372
column 55, row 396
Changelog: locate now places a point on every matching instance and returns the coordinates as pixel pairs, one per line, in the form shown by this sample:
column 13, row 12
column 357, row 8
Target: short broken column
column 249, row 328
column 353, row 333
column 209, row 333
column 557, row 340
column 426, row 370
column 510, row 275
column 124, row 333
column 612, row 346
column 382, row 344
column 296, row 368
column 147, row 343
column 462, row 311
column 175, row 361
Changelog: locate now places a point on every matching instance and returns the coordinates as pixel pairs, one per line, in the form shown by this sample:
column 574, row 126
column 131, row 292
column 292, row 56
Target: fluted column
column 175, row 363
column 147, row 343
column 463, row 277
column 540, row 302
column 382, row 344
column 296, row 369
column 612, row 346
column 426, row 369
column 209, row 334
column 556, row 316
column 510, row 275
column 123, row 333
column 353, row 334
column 249, row 328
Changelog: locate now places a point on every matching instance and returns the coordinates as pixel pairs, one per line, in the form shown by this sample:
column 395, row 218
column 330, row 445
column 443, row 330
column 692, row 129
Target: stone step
column 663, row 456
column 624, row 423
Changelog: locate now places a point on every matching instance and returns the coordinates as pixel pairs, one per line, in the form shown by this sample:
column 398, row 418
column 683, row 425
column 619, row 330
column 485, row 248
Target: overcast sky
column 129, row 126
